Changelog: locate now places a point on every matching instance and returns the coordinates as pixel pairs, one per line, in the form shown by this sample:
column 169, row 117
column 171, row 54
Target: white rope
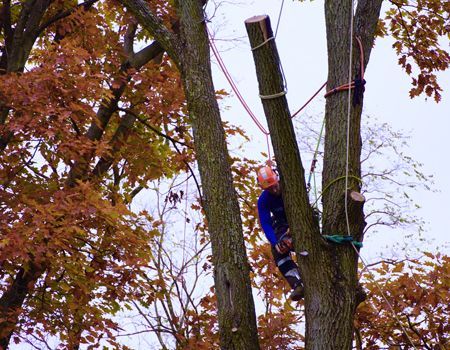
column 348, row 118
column 262, row 44
column 347, row 168
column 270, row 97
column 279, row 17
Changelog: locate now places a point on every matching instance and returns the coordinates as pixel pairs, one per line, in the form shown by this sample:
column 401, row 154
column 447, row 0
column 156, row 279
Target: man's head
column 268, row 180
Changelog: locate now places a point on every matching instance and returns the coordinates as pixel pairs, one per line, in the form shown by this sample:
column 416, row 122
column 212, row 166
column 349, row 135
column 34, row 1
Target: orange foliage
column 74, row 158
column 417, row 28
column 419, row 292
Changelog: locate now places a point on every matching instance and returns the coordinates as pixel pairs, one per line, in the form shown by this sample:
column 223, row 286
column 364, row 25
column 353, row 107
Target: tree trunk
column 190, row 51
column 329, row 271
column 237, row 319
column 12, row 300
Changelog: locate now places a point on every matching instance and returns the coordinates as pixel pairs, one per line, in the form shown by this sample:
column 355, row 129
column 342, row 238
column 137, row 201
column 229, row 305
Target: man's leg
column 289, row 270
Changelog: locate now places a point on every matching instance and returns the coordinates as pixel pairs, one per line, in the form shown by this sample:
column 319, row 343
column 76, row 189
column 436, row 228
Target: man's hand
column 284, row 245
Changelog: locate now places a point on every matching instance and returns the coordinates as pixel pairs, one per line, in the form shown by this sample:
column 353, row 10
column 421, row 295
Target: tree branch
column 154, row 25
column 88, row 4
column 129, row 39
column 366, row 19
column 109, row 107
column 116, row 144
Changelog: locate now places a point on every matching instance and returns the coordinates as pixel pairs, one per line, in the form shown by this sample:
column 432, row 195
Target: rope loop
column 263, row 43
column 342, row 239
column 270, row 97
column 333, row 182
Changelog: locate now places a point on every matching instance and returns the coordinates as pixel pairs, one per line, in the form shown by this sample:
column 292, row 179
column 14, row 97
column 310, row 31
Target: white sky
column 301, row 43
column 302, row 48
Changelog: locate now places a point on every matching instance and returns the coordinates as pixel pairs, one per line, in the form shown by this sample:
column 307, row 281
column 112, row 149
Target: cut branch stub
column 355, row 202
column 357, row 197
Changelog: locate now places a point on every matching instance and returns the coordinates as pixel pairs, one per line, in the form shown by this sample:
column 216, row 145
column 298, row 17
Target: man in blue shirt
column 272, row 218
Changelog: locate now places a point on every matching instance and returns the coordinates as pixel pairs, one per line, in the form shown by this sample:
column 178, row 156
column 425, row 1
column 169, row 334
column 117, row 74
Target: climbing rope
column 349, row 109
column 314, row 160
column 237, row 92
column 279, row 18
column 325, row 189
column 358, row 85
column 349, row 86
column 307, row 102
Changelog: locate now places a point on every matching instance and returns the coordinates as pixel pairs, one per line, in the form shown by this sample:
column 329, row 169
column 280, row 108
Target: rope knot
column 359, row 91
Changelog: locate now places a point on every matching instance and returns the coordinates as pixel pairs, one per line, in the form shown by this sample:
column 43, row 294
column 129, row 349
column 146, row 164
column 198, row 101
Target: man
column 272, row 218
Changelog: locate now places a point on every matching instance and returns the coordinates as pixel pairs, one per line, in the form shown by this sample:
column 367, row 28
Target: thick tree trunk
column 328, row 311
column 190, row 51
column 329, row 271
column 237, row 319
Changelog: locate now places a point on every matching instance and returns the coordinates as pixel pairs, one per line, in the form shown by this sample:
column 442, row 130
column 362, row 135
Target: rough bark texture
column 329, row 271
column 231, row 270
column 282, row 133
column 190, row 51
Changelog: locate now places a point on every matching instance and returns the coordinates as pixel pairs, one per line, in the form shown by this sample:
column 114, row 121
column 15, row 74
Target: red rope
column 317, row 92
column 247, row 108
column 234, row 87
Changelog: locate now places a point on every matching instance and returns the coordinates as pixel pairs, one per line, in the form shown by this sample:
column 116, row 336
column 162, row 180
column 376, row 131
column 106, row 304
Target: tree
column 330, row 271
column 418, row 291
column 190, row 52
column 80, row 139
column 92, row 125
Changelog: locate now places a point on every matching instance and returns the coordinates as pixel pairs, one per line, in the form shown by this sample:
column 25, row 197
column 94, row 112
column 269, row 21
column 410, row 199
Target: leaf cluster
column 420, row 30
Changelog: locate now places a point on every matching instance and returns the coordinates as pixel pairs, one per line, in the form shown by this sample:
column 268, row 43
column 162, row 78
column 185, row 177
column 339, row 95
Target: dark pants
column 285, row 264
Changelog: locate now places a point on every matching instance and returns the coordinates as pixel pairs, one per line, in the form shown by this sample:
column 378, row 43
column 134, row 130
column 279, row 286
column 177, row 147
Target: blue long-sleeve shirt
column 271, row 212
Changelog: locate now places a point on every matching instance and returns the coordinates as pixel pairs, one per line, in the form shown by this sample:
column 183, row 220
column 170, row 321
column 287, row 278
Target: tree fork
column 328, row 271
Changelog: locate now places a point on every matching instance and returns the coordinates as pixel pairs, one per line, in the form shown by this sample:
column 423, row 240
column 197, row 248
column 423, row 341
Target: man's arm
column 265, row 220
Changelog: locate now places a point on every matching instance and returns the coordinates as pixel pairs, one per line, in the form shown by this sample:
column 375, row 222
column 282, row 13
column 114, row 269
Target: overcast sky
column 301, row 43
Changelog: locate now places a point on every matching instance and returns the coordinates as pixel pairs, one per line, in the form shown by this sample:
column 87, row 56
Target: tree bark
column 190, row 51
column 329, row 271
column 18, row 44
